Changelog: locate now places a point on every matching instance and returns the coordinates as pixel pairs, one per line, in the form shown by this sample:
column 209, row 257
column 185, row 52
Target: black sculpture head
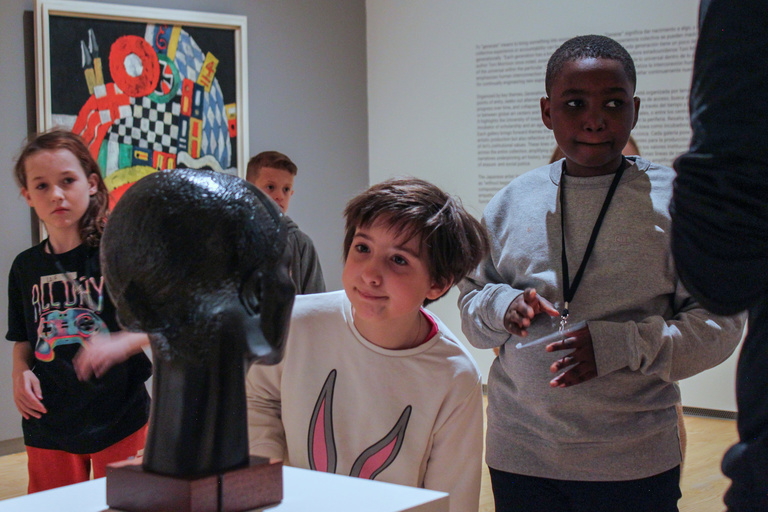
column 198, row 260
column 186, row 250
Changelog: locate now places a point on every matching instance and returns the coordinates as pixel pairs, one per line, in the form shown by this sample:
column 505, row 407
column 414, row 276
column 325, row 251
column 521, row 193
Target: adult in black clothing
column 720, row 215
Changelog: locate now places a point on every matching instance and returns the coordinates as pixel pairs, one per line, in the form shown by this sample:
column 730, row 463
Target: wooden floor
column 703, row 485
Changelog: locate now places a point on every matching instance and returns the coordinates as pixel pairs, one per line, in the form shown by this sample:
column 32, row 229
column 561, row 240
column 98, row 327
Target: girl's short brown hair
column 92, row 222
column 455, row 241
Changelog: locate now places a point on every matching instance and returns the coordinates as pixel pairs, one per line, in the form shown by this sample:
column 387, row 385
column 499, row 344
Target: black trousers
column 520, row 493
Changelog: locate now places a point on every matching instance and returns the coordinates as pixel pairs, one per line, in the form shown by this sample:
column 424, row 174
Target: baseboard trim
column 10, row 446
column 709, row 413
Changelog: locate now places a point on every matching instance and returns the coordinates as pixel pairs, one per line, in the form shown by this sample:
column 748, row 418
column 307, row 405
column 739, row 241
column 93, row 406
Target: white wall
column 307, row 98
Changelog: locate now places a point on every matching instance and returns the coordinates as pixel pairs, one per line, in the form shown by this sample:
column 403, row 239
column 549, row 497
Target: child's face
column 57, row 188
column 277, row 184
column 386, row 278
column 591, row 110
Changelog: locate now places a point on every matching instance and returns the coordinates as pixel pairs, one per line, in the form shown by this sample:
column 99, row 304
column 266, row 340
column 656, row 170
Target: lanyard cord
column 569, row 289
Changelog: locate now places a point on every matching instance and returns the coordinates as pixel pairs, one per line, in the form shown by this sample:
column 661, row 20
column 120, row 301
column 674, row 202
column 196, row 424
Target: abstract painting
column 147, row 89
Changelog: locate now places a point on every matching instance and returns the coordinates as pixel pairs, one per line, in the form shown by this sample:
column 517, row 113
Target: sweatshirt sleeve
column 455, row 461
column 692, row 341
column 484, row 297
column 266, row 434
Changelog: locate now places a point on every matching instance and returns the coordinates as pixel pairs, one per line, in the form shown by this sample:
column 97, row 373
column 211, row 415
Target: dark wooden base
column 132, row 489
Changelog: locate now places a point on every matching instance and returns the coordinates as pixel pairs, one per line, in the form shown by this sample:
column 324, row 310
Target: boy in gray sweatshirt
column 587, row 422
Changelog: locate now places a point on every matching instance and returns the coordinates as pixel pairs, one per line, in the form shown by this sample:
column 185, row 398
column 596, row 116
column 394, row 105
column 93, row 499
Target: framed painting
column 147, row 89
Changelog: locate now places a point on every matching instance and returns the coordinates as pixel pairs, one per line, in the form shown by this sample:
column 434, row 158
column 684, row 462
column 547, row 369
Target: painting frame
column 125, row 65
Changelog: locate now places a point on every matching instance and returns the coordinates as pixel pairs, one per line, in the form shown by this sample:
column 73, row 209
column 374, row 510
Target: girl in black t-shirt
column 77, row 381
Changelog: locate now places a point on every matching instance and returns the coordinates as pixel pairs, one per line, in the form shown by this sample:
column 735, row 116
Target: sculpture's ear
column 250, row 294
column 257, row 347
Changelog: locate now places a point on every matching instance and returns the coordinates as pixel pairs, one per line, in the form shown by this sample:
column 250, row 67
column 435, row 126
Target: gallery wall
column 306, row 97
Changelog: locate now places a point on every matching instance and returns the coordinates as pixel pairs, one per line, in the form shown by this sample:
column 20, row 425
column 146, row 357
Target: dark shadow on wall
column 29, row 92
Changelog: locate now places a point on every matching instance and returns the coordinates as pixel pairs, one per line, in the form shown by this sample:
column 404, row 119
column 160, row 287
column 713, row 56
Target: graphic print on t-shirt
column 60, row 303
column 322, row 444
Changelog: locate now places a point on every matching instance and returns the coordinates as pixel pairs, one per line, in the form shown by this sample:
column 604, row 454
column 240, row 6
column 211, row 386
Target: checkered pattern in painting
column 153, row 125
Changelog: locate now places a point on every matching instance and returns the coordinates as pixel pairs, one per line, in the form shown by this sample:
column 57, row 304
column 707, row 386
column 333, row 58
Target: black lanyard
column 569, row 289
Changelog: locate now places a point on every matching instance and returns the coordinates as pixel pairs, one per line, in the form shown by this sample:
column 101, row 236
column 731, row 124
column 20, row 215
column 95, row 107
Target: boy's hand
column 27, row 395
column 522, row 310
column 581, row 360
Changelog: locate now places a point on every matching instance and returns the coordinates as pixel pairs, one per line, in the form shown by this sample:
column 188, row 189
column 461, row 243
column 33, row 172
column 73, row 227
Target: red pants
column 49, row 469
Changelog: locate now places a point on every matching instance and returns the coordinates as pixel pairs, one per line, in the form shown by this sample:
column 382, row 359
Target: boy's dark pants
column 520, row 493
